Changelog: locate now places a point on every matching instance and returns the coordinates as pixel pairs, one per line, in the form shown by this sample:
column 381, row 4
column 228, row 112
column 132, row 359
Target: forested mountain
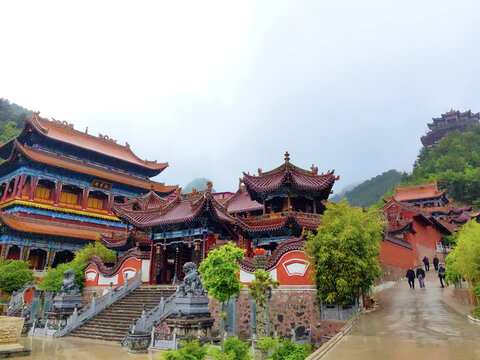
column 370, row 191
column 197, row 184
column 12, row 118
column 454, row 163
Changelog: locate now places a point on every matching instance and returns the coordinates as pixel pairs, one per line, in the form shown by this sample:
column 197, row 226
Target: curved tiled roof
column 418, row 192
column 178, row 210
column 272, row 222
column 64, row 132
column 24, row 224
column 64, row 162
column 241, row 202
column 290, row 175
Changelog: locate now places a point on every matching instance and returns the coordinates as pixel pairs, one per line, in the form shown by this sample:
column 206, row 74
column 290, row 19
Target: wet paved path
column 44, row 348
column 411, row 324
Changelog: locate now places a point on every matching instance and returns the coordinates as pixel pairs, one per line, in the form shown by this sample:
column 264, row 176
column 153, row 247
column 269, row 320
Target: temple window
column 97, row 200
column 70, row 195
column 45, row 190
column 2, row 189
column 119, row 199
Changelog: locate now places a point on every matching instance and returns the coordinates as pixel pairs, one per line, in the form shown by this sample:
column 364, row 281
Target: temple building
column 57, row 187
column 449, row 122
column 267, row 210
column 434, row 201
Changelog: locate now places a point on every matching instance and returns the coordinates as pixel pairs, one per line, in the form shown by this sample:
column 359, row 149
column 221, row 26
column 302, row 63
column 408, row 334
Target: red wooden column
column 3, row 252
column 18, row 194
column 33, row 188
column 314, row 206
column 58, row 190
column 110, row 202
column 7, row 185
column 85, row 198
column 15, row 187
column 153, row 253
column 264, row 207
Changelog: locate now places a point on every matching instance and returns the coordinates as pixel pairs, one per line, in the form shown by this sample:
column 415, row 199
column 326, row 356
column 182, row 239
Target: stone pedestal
column 194, row 306
column 10, row 331
column 191, row 328
column 63, row 302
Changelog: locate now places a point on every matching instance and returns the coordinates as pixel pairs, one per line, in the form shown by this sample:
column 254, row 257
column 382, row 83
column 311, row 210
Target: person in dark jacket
column 421, row 277
column 435, row 262
column 426, row 263
column 441, row 274
column 411, row 278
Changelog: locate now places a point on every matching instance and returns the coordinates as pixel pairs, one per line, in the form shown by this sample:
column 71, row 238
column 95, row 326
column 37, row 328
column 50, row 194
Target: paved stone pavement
column 411, row 325
column 44, row 348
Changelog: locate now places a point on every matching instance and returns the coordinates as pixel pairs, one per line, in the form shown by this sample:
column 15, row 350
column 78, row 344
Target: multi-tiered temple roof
column 448, row 122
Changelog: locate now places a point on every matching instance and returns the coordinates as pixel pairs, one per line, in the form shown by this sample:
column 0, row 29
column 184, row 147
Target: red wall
column 93, row 275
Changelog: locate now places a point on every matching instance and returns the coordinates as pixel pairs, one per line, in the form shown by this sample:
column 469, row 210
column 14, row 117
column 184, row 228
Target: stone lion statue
column 69, row 285
column 192, row 283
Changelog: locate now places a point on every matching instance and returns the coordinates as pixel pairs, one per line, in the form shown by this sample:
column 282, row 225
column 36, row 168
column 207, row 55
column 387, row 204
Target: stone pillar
column 18, row 194
column 24, row 252
column 50, row 257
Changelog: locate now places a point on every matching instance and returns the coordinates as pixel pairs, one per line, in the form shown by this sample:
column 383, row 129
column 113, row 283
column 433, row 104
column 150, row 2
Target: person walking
column 411, row 278
column 421, row 276
column 426, row 263
column 441, row 274
column 435, row 262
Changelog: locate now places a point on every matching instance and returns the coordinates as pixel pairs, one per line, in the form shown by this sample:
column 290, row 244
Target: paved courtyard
column 411, row 325
column 78, row 349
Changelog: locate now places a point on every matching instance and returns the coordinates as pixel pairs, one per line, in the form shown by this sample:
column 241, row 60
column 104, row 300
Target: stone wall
column 87, row 293
column 291, row 310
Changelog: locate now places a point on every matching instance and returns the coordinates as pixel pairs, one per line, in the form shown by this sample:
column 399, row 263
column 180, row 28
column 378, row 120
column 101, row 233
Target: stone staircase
column 113, row 323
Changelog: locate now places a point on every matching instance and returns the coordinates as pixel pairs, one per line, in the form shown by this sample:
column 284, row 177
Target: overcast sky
column 216, row 89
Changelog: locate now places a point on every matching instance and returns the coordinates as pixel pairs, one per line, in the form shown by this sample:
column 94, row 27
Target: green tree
column 54, row 277
column 464, row 260
column 345, row 251
column 258, row 288
column 220, row 274
column 13, row 275
column 11, row 130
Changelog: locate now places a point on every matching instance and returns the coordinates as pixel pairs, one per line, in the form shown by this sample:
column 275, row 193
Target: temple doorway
column 13, row 253
column 62, row 257
column 169, row 263
column 37, row 259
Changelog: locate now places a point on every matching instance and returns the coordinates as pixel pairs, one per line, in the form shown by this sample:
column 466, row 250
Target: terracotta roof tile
column 61, row 131
column 63, row 162
column 49, row 227
column 241, row 202
column 409, row 193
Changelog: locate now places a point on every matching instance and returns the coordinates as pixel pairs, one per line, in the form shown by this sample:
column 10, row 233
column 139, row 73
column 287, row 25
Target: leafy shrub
column 54, row 277
column 284, row 350
column 234, row 349
column 190, row 350
column 14, row 274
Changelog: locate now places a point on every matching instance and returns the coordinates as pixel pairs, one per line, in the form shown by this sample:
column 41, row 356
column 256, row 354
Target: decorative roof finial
column 240, row 182
column 152, row 186
column 287, row 157
column 259, row 172
column 209, row 185
column 314, row 169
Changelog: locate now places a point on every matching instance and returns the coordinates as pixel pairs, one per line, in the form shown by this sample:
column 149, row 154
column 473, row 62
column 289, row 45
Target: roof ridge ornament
column 287, row 157
column 106, row 137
